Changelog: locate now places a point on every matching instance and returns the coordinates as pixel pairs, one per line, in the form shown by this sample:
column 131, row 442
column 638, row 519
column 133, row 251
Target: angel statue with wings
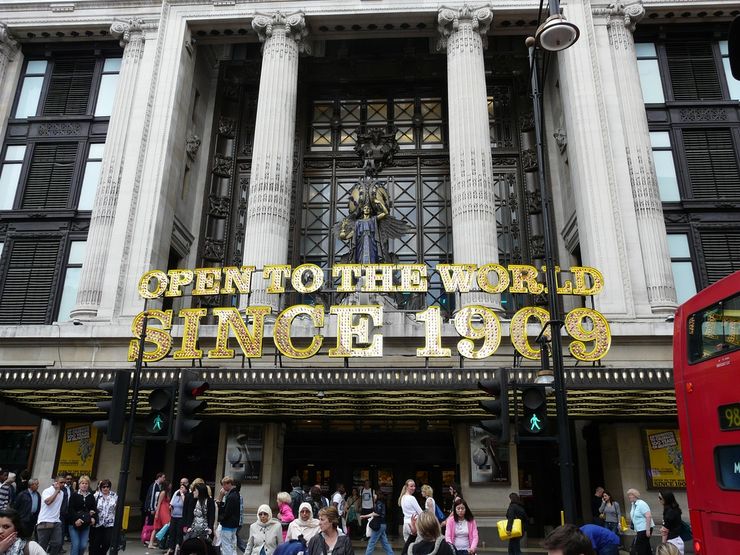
column 370, row 226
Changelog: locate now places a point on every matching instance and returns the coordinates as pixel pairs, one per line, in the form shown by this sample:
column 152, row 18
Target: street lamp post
column 555, row 34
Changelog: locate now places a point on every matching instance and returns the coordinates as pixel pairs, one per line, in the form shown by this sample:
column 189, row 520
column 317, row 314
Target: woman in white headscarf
column 265, row 534
column 304, row 525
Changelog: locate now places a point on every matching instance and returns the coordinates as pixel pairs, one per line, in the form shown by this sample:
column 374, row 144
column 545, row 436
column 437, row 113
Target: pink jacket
column 472, row 532
column 286, row 513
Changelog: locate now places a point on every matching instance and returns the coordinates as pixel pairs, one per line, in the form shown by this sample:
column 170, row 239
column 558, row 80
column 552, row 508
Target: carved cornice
column 293, row 23
column 449, row 21
column 8, row 45
column 127, row 30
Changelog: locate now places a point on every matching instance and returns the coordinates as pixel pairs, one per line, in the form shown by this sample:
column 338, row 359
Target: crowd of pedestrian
column 194, row 518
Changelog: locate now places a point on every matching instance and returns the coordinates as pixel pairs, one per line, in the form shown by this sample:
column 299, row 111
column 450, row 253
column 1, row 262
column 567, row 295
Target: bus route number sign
column 729, row 417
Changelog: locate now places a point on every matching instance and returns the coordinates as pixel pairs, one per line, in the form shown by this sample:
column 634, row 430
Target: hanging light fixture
column 556, row 33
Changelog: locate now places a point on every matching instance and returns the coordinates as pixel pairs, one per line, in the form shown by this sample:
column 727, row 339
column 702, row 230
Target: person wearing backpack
column 296, row 495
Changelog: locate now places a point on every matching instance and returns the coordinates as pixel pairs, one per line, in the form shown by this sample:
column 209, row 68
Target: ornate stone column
column 656, row 259
column 268, row 214
column 463, row 35
column 8, row 49
column 92, row 276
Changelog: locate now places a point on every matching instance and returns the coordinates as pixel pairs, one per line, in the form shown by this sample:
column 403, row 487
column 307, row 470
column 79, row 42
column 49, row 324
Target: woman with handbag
column 642, row 523
column 516, row 512
column 461, row 529
column 199, row 514
column 610, row 512
column 671, row 530
column 82, row 514
column 378, row 525
column 101, row 536
column 162, row 513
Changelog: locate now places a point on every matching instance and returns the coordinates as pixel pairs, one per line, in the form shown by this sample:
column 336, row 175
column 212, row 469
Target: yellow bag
column 516, row 529
column 623, row 524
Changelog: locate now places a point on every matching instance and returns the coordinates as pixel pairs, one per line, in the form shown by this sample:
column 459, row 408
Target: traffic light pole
column 127, row 444
column 564, row 449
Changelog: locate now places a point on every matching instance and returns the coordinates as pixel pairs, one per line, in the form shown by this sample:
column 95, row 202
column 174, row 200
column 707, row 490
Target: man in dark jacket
column 28, row 505
column 228, row 515
column 150, row 502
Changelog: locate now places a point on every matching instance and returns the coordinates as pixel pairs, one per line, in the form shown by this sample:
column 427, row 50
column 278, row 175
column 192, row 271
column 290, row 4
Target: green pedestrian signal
column 159, row 418
column 535, row 410
column 534, row 424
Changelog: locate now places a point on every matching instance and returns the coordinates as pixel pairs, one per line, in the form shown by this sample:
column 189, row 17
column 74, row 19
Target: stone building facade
column 142, row 135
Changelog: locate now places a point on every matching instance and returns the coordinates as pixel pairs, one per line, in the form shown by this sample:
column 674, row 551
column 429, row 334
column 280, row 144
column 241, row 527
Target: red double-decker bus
column 706, row 372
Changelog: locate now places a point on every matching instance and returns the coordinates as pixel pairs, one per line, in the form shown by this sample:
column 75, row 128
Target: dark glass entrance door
column 386, row 457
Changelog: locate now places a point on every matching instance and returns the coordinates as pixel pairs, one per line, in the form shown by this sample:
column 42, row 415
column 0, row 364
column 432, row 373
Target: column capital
column 450, row 20
column 128, row 30
column 293, row 23
column 7, row 43
column 629, row 13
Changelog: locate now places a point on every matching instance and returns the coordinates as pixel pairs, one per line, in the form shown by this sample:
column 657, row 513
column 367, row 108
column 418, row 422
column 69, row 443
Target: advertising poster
column 78, row 450
column 489, row 462
column 663, row 458
column 244, row 452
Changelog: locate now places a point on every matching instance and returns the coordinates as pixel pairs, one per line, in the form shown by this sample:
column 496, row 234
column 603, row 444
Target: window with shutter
column 29, row 282
column 50, row 176
column 69, row 86
column 711, row 160
column 721, row 253
column 693, row 71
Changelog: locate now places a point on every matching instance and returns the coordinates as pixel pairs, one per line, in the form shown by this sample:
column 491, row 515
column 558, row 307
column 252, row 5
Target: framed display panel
column 244, row 452
column 489, row 462
column 663, row 458
column 77, row 451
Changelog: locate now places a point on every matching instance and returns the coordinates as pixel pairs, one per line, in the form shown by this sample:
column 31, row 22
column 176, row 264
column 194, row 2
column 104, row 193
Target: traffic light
column 160, row 415
column 115, row 409
column 498, row 406
column 534, row 400
column 188, row 404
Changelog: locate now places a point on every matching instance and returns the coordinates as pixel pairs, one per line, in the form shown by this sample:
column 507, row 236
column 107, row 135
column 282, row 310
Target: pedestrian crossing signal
column 534, row 421
column 159, row 418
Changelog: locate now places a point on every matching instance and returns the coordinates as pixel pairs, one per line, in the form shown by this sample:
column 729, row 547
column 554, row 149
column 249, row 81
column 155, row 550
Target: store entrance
column 386, row 453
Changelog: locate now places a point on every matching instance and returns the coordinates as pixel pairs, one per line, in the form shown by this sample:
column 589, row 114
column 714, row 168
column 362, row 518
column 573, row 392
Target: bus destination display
column 729, row 417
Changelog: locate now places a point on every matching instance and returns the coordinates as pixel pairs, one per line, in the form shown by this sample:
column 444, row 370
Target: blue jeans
column 379, row 534
column 228, row 541
column 78, row 537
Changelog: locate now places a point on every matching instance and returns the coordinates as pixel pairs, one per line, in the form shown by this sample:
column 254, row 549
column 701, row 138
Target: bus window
column 714, row 330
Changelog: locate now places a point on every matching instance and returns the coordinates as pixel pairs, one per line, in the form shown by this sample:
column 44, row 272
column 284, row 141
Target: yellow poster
column 664, row 458
column 78, row 448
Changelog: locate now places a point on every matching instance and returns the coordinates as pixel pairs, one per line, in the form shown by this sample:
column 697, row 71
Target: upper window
column 418, row 122
column 650, row 81
column 108, row 85
column 31, row 84
column 733, row 85
column 693, row 70
column 665, row 167
column 68, row 85
column 683, row 271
